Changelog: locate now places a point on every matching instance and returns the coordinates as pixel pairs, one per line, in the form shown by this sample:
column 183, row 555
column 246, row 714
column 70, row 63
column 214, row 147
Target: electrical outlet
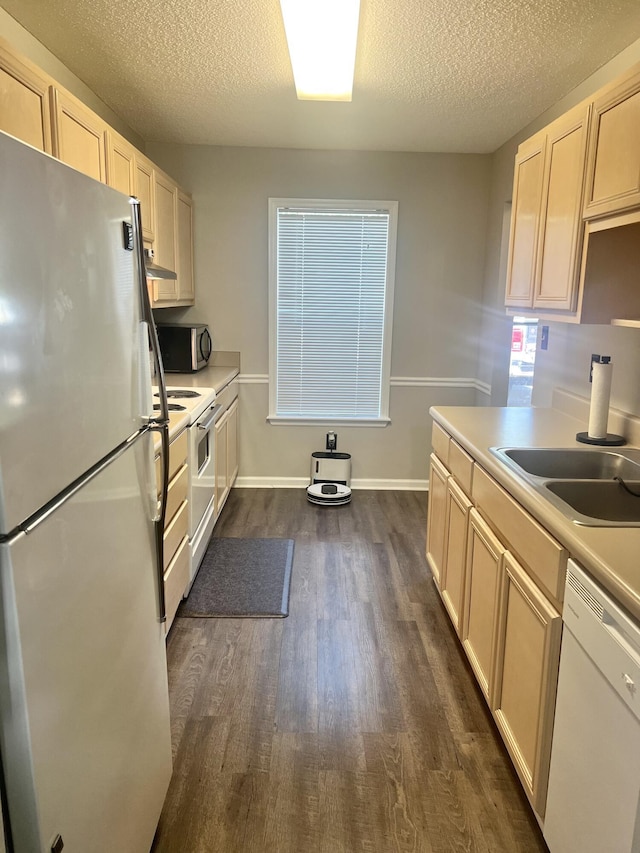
column 332, row 441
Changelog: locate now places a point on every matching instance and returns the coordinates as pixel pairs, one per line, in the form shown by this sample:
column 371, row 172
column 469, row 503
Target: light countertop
column 610, row 554
column 212, row 376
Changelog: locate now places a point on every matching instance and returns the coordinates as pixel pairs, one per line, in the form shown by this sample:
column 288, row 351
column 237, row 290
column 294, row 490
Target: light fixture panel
column 322, row 37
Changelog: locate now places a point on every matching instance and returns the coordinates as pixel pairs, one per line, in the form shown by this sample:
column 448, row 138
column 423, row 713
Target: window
column 331, row 304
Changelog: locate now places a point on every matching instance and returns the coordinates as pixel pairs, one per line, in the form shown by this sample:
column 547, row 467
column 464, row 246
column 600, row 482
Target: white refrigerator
column 84, row 713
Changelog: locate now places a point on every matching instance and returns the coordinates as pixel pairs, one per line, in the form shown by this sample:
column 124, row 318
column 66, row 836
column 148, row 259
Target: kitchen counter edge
column 609, row 554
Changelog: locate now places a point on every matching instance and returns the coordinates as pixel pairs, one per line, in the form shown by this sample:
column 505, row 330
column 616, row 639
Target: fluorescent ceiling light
column 322, row 36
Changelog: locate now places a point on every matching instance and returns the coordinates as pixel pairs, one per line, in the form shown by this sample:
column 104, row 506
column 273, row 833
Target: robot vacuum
column 328, row 494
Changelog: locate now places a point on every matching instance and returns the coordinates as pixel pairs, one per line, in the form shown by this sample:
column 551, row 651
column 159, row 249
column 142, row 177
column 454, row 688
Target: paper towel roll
column 600, row 394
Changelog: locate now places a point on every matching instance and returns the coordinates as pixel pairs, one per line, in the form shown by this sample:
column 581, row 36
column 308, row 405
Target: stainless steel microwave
column 184, row 348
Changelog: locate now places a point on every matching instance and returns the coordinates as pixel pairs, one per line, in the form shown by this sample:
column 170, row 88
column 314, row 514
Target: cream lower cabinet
column 500, row 576
column 222, row 485
column 481, row 595
column 176, row 527
column 437, row 517
column 526, row 671
column 226, row 451
column 232, row 443
column 452, row 579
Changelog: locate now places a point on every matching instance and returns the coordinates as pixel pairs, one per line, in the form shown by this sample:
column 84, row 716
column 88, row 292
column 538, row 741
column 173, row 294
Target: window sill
column 277, row 420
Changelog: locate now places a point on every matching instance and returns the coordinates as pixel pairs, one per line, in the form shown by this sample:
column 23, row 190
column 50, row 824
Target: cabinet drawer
column 544, row 558
column 176, row 579
column 175, row 532
column 177, row 492
column 460, row 465
column 440, row 443
column 228, row 394
column 178, row 450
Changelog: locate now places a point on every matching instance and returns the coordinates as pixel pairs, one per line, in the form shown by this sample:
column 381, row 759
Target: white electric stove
column 200, row 405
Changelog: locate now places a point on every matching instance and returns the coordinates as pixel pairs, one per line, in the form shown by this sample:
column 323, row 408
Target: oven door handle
column 215, row 414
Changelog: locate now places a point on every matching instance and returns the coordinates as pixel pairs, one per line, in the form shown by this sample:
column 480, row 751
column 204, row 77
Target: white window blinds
column 332, row 298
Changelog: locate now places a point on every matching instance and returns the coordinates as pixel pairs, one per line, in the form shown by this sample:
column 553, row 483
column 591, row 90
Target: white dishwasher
column 593, row 803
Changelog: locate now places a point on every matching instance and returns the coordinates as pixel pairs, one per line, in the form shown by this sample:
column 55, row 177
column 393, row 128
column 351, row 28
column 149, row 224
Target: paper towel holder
column 609, row 440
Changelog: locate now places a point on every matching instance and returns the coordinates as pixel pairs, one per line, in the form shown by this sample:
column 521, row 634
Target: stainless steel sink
column 597, row 499
column 580, row 483
column 572, row 464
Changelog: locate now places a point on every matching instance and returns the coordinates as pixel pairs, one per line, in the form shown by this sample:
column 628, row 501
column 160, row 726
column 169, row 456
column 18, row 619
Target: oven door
column 202, row 466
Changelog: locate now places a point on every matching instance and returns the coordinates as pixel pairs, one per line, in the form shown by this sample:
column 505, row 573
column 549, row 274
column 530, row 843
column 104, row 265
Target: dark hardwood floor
column 353, row 725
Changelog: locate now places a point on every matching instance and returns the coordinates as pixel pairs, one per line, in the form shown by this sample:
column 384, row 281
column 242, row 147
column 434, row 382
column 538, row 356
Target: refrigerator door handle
column 160, row 424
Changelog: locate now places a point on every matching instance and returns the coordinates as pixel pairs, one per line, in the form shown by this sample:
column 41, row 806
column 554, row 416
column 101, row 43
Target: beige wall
column 23, row 42
column 566, row 363
column 440, row 257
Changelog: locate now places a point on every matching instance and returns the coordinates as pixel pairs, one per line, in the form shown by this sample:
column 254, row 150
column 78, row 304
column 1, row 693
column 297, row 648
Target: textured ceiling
column 431, row 75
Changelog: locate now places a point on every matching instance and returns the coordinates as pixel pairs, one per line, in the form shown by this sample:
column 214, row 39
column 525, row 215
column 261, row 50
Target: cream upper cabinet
column 525, row 222
column 165, row 243
column 24, row 102
column 526, row 672
column 79, row 135
column 36, row 110
column 613, row 173
column 561, row 227
column 145, row 192
column 166, row 195
column 121, row 168
column 546, row 224
column 186, row 289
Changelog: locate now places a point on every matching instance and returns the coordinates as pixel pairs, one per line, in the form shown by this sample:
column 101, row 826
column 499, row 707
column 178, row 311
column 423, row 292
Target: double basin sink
column 583, row 484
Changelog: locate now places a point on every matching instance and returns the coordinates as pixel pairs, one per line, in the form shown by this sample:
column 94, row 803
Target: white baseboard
column 303, row 482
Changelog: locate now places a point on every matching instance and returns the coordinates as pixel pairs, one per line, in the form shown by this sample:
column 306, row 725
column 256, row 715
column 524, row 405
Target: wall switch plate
column 544, row 337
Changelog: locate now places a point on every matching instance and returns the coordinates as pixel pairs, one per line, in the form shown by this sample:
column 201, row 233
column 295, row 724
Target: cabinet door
column 527, row 658
column 166, row 196
column 436, row 517
column 144, row 191
column 79, row 137
column 484, row 559
column 232, row 443
column 186, row 290
column 121, row 167
column 525, row 222
column 222, row 481
column 613, row 161
column 24, row 102
column 561, row 227
column 453, row 572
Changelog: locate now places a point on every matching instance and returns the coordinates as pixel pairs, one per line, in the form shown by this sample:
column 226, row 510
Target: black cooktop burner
column 173, row 407
column 181, row 394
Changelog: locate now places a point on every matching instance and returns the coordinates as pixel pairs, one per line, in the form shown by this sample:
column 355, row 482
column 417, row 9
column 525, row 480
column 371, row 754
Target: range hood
column 154, row 271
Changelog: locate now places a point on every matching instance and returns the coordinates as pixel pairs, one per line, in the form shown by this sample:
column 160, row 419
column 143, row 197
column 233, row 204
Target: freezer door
column 72, row 359
column 84, row 720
